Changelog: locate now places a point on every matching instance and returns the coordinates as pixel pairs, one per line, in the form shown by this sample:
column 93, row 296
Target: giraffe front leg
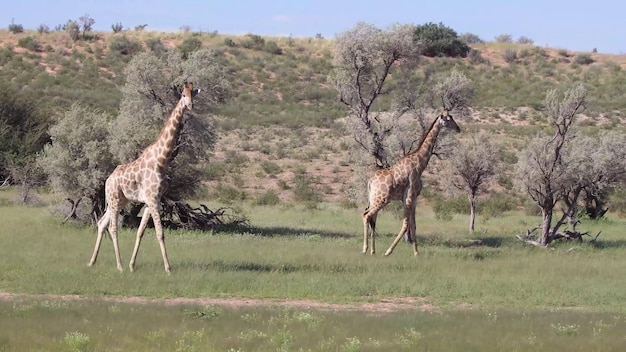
column 142, row 227
column 365, row 231
column 102, row 225
column 156, row 218
column 113, row 232
column 403, row 230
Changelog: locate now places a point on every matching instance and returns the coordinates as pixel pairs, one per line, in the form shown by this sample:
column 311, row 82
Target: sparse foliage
column 559, row 168
column 363, row 58
column 117, row 27
column 471, row 38
column 43, row 28
column 504, row 38
column 471, row 167
column 73, row 29
column 525, row 40
column 86, row 23
column 15, row 28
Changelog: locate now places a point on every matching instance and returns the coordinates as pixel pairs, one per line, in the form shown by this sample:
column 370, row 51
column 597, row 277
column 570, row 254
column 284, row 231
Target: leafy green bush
column 439, row 40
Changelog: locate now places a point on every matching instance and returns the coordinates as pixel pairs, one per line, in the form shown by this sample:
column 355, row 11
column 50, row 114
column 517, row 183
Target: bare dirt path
column 381, row 306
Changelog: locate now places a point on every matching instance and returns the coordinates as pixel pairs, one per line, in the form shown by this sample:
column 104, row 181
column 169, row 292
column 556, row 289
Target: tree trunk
column 545, row 226
column 472, row 200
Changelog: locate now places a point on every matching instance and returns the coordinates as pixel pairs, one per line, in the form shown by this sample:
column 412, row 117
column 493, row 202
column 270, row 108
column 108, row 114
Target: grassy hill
column 279, row 135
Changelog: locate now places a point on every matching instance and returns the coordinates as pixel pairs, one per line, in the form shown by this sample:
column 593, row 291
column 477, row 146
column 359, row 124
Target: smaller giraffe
column 403, row 182
column 143, row 180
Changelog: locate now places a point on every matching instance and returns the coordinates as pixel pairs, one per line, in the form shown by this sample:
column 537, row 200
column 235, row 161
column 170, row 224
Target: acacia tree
column 471, row 166
column 560, row 167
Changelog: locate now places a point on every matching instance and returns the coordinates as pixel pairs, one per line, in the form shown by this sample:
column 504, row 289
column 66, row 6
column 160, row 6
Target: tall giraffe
column 143, row 180
column 403, row 181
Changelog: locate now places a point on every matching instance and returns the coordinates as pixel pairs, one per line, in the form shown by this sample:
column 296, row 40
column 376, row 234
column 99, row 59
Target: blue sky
column 561, row 24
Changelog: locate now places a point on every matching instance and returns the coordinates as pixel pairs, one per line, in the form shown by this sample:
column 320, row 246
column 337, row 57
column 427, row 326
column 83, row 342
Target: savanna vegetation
column 284, row 136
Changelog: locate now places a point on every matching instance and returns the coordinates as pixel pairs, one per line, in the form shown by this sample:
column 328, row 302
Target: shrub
column 470, row 38
column 73, row 30
column 270, row 168
column 272, row 48
column 15, row 28
column 229, row 43
column 439, row 40
column 270, row 197
column 476, row 57
column 229, row 194
column 304, row 191
column 509, row 55
column 28, row 43
column 188, row 46
column 524, row 40
column 504, row 38
column 43, row 28
column 583, row 59
column 121, row 44
column 155, row 45
column 495, row 205
column 117, row 27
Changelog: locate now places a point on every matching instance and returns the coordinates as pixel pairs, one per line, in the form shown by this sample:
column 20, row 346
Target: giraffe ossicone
column 143, row 180
column 403, row 182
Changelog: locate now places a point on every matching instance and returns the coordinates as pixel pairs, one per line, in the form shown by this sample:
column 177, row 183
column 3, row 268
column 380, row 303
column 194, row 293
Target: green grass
column 297, row 253
column 62, row 325
column 566, row 298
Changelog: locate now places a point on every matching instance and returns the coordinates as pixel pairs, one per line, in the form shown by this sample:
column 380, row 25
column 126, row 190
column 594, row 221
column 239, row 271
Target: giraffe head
column 188, row 94
column 446, row 121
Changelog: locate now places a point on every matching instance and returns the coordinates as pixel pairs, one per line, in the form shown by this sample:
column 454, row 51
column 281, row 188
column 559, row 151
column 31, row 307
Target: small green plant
column 566, row 330
column 352, row 344
column 76, row 341
column 207, row 312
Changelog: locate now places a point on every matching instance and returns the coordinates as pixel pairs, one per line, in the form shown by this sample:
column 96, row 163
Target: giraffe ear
column 195, row 92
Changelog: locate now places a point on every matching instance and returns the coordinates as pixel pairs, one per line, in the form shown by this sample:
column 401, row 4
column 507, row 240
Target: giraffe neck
column 421, row 156
column 166, row 141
